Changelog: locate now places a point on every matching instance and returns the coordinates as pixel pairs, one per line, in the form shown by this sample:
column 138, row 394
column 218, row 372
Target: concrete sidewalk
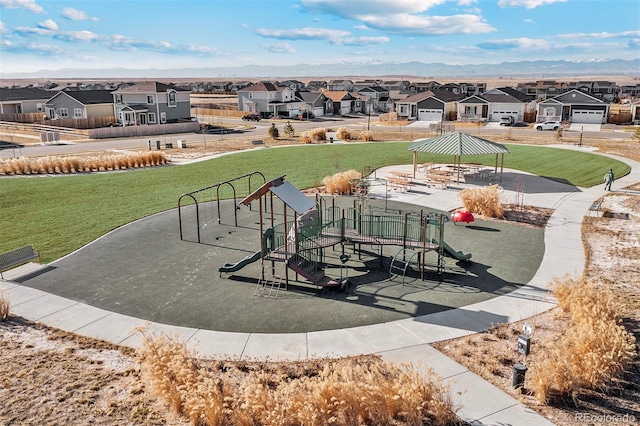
column 399, row 341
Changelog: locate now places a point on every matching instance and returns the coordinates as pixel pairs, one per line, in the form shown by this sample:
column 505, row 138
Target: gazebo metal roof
column 457, row 143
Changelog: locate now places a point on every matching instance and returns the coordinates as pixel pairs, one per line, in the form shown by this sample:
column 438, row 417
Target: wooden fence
column 81, row 123
column 33, row 117
column 146, row 130
column 220, row 112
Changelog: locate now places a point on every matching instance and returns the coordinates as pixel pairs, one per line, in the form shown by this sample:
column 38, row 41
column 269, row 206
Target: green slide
column 232, row 267
column 449, row 251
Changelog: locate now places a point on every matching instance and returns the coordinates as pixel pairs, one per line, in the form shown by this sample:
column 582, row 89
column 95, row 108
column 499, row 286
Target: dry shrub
column 318, row 134
column 591, row 352
column 486, row 201
column 345, row 391
column 366, row 135
column 4, row 305
column 306, row 139
column 343, row 134
column 340, row 183
column 74, row 164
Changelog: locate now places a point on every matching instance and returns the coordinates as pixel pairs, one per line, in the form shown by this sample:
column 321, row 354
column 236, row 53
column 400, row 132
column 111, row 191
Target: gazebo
column 458, row 144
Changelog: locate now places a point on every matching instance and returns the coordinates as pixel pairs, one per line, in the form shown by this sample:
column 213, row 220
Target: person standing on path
column 608, row 180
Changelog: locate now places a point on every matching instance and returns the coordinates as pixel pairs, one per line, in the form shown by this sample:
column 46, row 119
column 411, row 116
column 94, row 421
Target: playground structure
column 307, row 228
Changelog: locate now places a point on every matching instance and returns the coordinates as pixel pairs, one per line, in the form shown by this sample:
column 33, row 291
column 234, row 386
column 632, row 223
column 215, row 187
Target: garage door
column 429, row 115
column 581, row 116
column 318, row 111
column 497, row 115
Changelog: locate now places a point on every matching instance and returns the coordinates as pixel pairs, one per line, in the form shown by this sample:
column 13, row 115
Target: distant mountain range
column 534, row 69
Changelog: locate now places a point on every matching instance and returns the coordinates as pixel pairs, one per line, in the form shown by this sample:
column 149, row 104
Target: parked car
column 251, row 117
column 507, row 120
column 548, row 125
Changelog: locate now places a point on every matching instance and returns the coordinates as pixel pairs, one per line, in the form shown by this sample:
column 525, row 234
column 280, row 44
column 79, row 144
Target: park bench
column 17, row 257
column 257, row 142
column 399, row 183
column 595, row 206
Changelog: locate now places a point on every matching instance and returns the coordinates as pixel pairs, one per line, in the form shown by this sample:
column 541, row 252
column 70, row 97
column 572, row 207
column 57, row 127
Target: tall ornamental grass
column 339, row 392
column 340, row 183
column 486, row 201
column 591, row 352
column 80, row 164
column 4, row 305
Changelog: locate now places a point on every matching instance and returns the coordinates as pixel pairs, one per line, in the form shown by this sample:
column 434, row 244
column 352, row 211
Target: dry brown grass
column 4, row 305
column 349, row 391
column 591, row 352
column 343, row 134
column 366, row 136
column 318, row 135
column 80, row 164
column 486, row 201
column 340, row 183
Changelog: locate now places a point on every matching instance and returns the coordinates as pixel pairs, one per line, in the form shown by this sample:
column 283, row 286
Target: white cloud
column 528, row 4
column 29, row 5
column 279, row 48
column 353, row 9
column 602, row 35
column 76, row 15
column 3, row 29
column 361, row 41
column 28, row 31
column 303, row 34
column 49, row 24
column 430, row 25
column 528, row 21
column 404, row 16
column 76, row 36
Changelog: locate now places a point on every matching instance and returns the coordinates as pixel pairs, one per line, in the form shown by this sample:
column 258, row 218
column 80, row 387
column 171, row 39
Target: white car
column 548, row 125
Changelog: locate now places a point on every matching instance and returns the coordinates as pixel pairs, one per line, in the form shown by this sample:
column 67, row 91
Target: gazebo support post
column 501, row 165
column 415, row 163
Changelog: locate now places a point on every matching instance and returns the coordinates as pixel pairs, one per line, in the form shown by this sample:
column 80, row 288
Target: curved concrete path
column 400, row 341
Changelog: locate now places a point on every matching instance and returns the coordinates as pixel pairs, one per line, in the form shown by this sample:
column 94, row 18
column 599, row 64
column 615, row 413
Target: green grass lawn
column 60, row 214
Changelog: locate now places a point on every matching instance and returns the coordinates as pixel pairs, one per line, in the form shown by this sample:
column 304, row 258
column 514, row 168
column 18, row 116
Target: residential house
column 396, row 85
column 430, row 106
column 407, row 108
column 469, row 89
column 574, row 106
column 80, row 104
column 221, row 86
column 543, row 89
column 427, row 86
column 340, row 85
column 294, row 85
column 362, row 84
column 451, row 87
column 315, row 102
column 151, row 102
column 314, row 85
column 201, row 87
column 342, row 102
column 630, row 91
column 269, row 99
column 605, row 90
column 22, row 100
column 496, row 104
column 374, row 96
column 530, row 102
column 239, row 85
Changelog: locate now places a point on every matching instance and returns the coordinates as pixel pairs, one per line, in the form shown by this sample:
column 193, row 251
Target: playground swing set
column 298, row 244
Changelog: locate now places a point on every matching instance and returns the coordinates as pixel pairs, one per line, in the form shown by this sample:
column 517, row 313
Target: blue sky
column 140, row 34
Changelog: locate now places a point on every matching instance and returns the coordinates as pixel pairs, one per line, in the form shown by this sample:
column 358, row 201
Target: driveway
column 584, row 127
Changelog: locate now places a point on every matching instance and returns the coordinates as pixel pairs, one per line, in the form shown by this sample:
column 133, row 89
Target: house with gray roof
column 429, row 106
column 151, row 102
column 23, row 100
column 315, row 102
column 79, row 104
column 491, row 106
column 269, row 99
column 574, row 106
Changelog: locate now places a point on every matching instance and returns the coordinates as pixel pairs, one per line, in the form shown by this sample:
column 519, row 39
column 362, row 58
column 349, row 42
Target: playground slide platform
column 458, row 255
column 320, row 280
column 233, row 267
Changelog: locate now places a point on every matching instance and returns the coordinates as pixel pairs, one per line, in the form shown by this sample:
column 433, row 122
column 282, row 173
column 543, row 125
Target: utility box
column 524, row 344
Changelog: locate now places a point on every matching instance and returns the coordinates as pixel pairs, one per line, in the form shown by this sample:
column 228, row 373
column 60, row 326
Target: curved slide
column 233, row 267
column 449, row 251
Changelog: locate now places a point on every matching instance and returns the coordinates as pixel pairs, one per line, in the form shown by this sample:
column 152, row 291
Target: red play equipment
column 462, row 216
